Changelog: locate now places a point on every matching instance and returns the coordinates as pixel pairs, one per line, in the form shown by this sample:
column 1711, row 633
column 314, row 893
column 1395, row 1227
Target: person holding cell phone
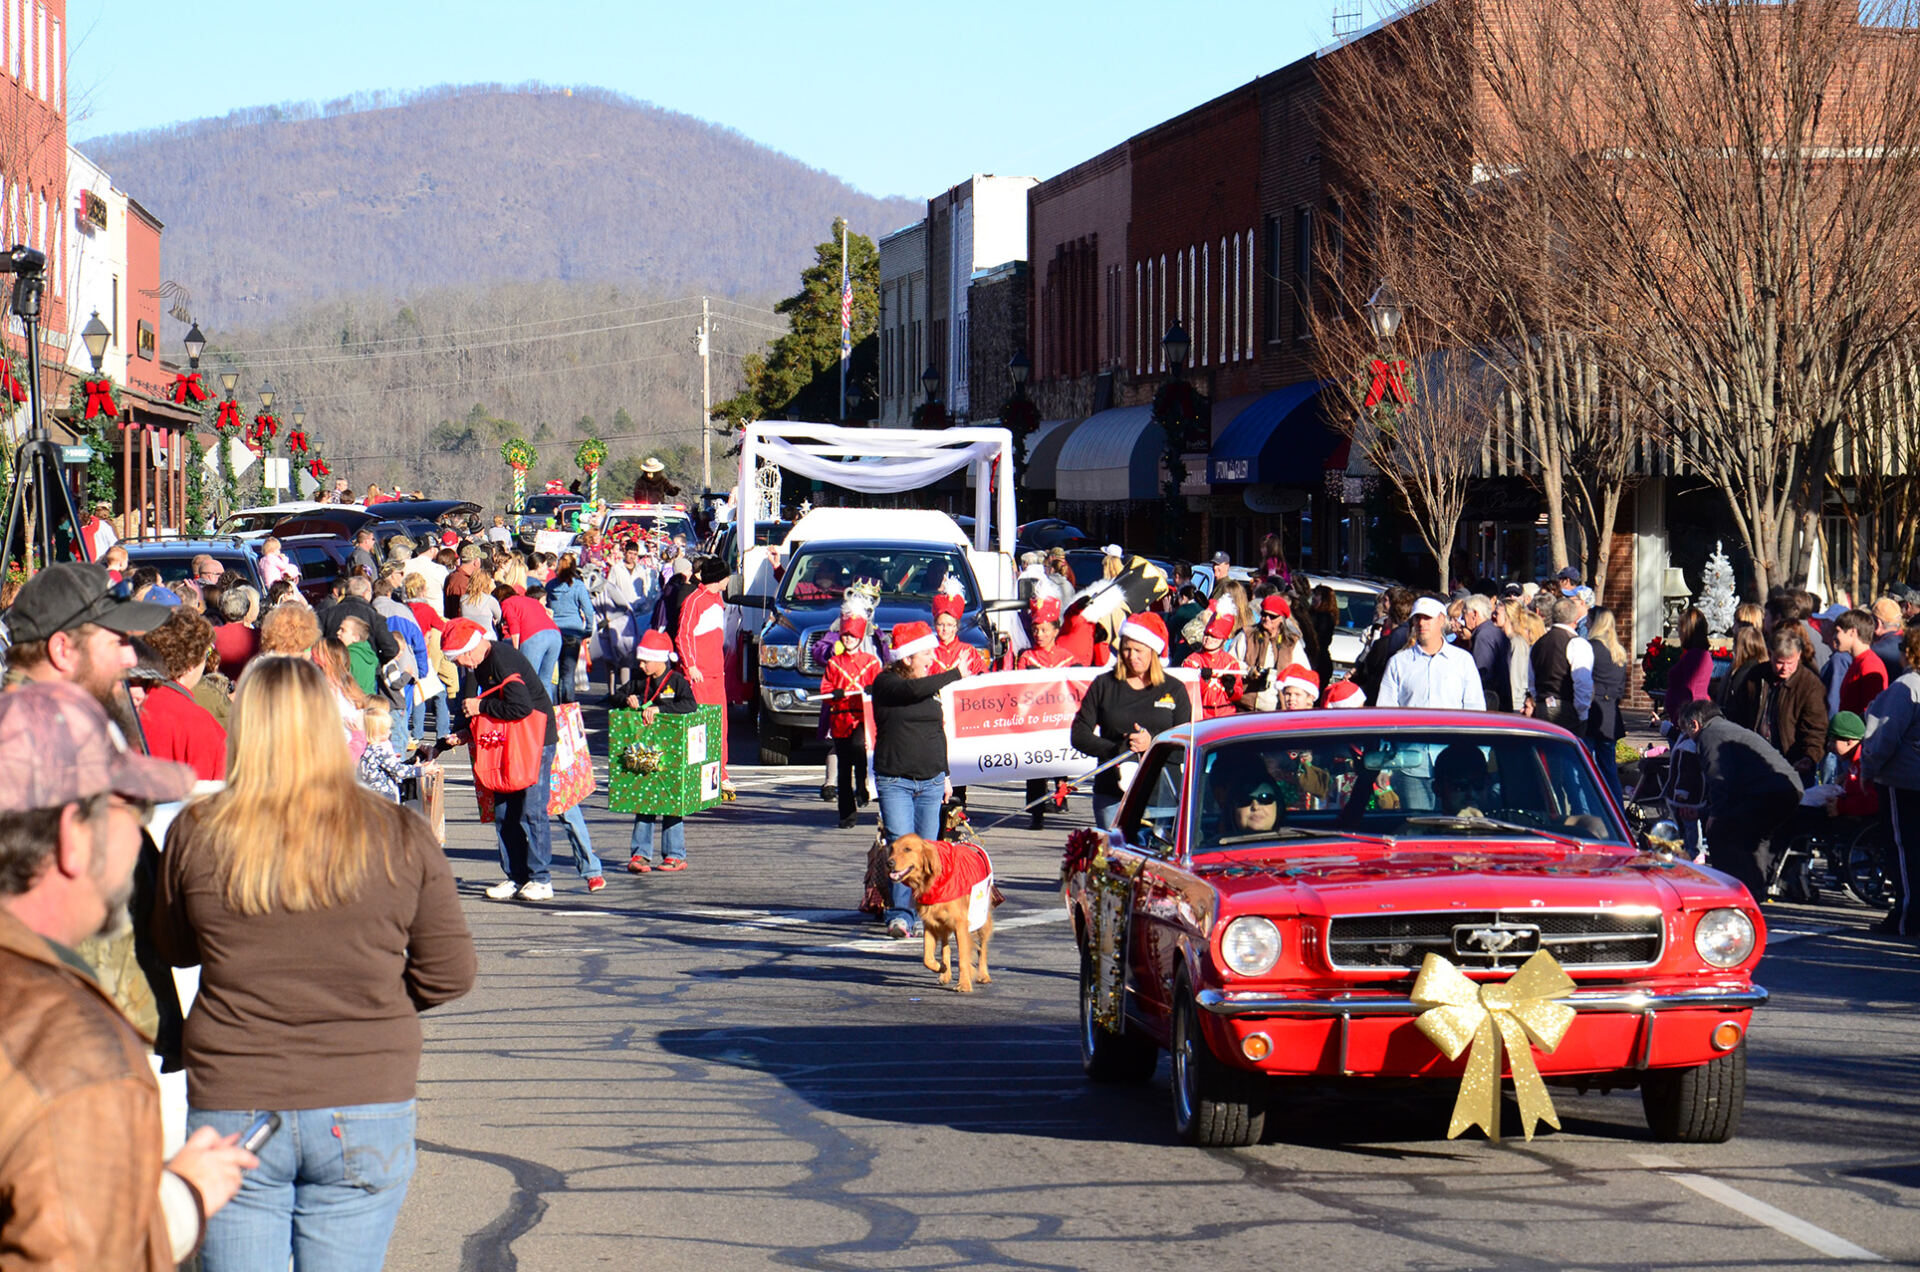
column 292, row 857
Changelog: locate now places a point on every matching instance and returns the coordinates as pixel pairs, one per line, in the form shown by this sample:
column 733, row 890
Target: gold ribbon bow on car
column 1462, row 1016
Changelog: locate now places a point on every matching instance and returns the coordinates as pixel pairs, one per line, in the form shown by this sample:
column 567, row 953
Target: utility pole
column 706, row 395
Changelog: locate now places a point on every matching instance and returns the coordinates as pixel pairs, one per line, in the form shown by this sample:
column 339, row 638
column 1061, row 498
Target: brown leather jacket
column 80, row 1139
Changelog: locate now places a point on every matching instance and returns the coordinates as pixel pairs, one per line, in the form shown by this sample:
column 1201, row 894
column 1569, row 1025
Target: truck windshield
column 821, row 575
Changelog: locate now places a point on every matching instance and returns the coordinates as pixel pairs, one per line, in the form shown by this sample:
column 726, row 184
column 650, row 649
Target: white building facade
column 903, row 323
column 96, row 266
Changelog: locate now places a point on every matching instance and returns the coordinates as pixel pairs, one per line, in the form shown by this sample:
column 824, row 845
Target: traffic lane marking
column 1786, row 936
column 878, row 944
column 1807, row 1234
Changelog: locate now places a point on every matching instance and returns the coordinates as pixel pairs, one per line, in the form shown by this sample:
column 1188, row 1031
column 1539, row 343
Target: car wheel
column 1214, row 1105
column 1700, row 1105
column 1120, row 1058
column 776, row 744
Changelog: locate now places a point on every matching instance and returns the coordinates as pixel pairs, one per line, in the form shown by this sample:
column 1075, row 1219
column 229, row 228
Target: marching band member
column 1043, row 620
column 948, row 608
column 1220, row 672
column 852, row 667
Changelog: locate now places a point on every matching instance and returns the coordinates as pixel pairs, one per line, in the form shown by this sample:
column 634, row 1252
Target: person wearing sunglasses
column 1253, row 806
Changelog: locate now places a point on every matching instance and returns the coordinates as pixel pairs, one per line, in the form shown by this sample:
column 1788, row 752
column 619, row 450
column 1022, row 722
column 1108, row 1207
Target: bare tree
column 1748, row 209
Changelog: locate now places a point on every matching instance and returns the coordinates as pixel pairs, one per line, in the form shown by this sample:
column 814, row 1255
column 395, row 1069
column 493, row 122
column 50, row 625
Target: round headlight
column 1724, row 937
column 1251, row 946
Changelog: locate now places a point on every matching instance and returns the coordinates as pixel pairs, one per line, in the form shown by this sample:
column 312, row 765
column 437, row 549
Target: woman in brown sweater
column 324, row 920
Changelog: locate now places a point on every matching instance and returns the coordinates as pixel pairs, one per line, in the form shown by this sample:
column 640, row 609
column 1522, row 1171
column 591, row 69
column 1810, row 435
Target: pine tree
column 1717, row 600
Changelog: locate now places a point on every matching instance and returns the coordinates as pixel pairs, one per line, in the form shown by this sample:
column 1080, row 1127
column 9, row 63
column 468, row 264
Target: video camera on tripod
column 39, row 498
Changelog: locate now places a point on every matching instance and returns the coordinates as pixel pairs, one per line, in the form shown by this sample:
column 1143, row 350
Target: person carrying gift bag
column 511, row 730
column 851, row 669
column 654, row 689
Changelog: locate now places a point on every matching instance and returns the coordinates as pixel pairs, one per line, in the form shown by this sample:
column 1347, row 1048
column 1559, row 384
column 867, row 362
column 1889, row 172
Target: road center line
column 1834, row 1247
column 876, row 944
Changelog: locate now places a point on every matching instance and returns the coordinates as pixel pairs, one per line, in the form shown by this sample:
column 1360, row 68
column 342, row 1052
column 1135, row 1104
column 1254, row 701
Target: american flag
column 846, row 310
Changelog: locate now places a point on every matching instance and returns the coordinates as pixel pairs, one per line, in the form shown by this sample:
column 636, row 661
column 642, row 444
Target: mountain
column 271, row 210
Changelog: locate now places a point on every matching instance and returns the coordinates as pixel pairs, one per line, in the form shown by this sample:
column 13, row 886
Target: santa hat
column 951, row 600
column 1275, row 604
column 555, row 488
column 1305, row 677
column 1344, row 693
column 854, row 627
column 912, row 638
column 461, row 636
column 1044, row 609
column 1148, row 630
column 655, row 647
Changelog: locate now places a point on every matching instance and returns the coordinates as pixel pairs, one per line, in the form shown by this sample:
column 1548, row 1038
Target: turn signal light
column 1726, row 1036
column 1258, row 1046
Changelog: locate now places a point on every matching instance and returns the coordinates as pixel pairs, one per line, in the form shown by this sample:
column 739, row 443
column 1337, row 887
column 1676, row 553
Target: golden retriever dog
column 952, row 886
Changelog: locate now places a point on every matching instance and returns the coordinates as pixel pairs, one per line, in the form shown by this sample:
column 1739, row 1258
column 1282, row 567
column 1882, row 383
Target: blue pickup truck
column 807, row 602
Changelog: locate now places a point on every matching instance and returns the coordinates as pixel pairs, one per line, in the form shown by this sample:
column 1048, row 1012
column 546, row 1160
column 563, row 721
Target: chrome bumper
column 1637, row 1002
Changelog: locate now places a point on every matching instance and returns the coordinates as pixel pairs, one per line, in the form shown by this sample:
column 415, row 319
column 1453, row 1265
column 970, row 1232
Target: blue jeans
column 583, row 859
column 1106, row 809
column 520, row 824
column 908, row 806
column 673, row 838
column 441, row 725
column 326, row 1194
column 542, row 649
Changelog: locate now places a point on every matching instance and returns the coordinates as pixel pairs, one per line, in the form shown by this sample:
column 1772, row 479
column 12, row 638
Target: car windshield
column 818, row 575
column 1404, row 783
column 249, row 522
column 174, row 567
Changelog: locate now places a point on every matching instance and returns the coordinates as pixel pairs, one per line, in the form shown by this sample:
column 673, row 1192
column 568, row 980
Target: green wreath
column 519, row 453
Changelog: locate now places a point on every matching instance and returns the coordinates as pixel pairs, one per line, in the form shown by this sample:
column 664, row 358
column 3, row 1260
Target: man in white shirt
column 1429, row 672
column 498, row 532
column 426, row 564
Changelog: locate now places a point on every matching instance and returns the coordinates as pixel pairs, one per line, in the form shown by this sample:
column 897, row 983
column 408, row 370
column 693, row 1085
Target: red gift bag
column 506, row 753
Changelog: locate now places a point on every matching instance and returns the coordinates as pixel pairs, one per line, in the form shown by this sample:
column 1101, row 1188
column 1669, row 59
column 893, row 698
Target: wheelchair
column 1846, row 857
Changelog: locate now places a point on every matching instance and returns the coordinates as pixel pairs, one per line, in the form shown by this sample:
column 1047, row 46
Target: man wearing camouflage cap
column 84, row 1105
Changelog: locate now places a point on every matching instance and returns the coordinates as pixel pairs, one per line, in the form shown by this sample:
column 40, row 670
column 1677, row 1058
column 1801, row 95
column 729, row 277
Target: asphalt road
column 729, row 1068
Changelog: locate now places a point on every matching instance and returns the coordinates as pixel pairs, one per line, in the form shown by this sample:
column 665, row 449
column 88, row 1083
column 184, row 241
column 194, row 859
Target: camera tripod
column 39, row 501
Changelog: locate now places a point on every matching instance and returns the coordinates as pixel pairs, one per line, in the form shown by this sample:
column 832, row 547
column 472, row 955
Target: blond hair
column 416, row 585
column 1604, row 630
column 513, row 573
column 293, row 830
column 377, row 720
column 479, row 585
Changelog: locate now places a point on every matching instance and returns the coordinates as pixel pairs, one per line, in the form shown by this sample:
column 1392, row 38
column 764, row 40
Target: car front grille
column 805, row 662
column 1495, row 939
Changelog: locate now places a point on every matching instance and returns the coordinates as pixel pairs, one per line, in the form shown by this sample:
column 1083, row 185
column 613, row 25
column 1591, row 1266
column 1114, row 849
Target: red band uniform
column 1220, row 672
column 850, row 670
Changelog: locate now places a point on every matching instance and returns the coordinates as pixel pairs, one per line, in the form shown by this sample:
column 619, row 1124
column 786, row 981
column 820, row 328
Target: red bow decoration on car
column 187, row 388
column 228, row 416
column 100, row 400
column 1388, row 382
column 318, row 469
column 297, row 442
column 10, row 383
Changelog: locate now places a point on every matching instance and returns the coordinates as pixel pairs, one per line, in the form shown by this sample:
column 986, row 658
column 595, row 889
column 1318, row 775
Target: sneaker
column 537, row 892
column 671, row 864
column 846, row 823
column 596, row 883
column 899, row 929
column 505, row 890
column 827, row 795
column 638, row 865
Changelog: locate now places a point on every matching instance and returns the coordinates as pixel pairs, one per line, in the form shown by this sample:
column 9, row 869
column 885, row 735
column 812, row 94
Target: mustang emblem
column 1496, row 940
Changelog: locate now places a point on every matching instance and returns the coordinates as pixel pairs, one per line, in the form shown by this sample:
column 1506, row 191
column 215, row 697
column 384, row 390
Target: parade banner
column 1008, row 726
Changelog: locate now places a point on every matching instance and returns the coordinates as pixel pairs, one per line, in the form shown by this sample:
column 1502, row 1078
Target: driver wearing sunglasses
column 1254, row 806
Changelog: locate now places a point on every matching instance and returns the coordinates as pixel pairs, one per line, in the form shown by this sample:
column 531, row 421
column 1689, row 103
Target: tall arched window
column 1250, row 290
column 1161, row 329
column 1206, row 299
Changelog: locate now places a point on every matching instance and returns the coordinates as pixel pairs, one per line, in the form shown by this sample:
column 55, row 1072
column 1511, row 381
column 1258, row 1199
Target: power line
column 605, row 437
column 492, row 379
column 438, row 353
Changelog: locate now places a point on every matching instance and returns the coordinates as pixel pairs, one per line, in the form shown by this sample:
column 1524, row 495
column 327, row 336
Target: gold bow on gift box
column 1462, row 1016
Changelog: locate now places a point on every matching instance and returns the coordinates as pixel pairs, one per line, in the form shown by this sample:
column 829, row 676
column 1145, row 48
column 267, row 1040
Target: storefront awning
column 1282, row 439
column 1114, row 455
column 1043, row 452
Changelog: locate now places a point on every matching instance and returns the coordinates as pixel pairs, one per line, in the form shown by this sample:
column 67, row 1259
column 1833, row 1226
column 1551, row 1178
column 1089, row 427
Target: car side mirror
column 1664, row 838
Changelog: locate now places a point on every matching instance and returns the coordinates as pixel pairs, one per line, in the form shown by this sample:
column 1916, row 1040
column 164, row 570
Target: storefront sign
column 1274, row 501
column 1232, row 469
column 76, row 454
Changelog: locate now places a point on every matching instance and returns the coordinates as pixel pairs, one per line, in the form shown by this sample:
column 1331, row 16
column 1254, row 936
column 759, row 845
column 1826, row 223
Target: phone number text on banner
column 1012, row 725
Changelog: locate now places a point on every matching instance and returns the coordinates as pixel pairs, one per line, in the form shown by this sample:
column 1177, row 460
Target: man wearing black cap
column 66, row 624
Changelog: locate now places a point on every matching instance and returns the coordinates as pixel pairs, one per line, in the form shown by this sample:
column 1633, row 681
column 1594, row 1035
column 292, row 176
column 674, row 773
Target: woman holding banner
column 1043, row 620
column 909, row 751
column 1124, row 711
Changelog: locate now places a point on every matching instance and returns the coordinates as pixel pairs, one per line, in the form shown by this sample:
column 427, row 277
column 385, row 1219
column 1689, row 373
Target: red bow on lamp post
column 297, row 442
column 187, row 389
column 228, row 416
column 10, row 384
column 99, row 400
column 260, row 432
column 1389, row 381
column 318, row 468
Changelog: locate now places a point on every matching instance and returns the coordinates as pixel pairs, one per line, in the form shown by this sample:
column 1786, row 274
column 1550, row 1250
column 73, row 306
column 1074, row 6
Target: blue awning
column 1112, row 456
column 1283, row 439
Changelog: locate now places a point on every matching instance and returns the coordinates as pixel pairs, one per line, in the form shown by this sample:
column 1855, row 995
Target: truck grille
column 1495, row 939
column 807, row 665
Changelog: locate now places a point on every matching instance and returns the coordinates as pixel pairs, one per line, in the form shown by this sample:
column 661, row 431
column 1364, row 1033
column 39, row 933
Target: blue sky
column 896, row 98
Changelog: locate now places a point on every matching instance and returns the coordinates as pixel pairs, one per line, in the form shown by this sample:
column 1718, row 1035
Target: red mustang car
column 1276, row 882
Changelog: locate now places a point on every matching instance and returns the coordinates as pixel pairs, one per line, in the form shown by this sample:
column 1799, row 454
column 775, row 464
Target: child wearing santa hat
column 655, row 687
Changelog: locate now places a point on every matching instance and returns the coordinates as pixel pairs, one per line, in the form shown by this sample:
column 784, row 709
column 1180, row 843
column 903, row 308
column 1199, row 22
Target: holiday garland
column 196, row 482
column 91, row 399
column 187, row 390
column 13, row 387
column 592, row 454
column 520, row 456
column 224, row 420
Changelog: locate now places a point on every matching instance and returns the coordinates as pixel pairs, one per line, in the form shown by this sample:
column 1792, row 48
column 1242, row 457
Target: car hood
column 799, row 618
column 1487, row 877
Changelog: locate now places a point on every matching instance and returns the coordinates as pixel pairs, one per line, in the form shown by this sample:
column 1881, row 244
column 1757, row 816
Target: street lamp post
column 266, row 445
column 1384, row 313
column 930, row 381
column 196, row 344
column 1176, row 344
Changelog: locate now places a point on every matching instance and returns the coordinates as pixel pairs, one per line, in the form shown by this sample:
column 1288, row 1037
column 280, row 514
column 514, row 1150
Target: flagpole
column 846, row 281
